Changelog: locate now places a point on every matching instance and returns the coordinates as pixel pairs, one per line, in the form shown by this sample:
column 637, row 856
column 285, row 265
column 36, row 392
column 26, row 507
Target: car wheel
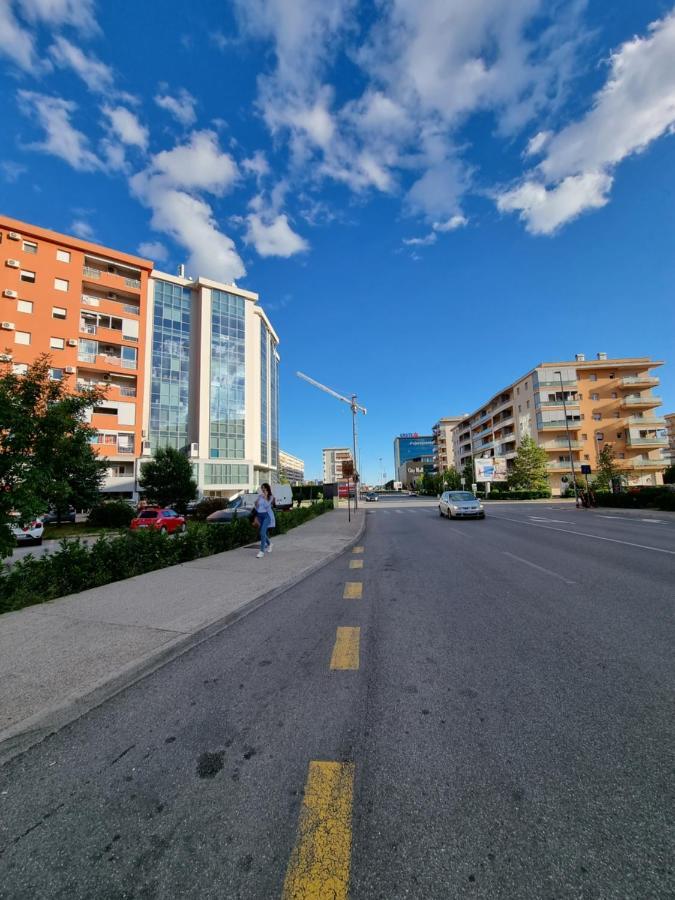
column 162, row 530
column 38, row 542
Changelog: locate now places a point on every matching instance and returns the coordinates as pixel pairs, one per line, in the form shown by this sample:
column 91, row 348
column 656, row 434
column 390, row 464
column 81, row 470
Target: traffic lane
column 190, row 782
column 503, row 756
column 650, row 531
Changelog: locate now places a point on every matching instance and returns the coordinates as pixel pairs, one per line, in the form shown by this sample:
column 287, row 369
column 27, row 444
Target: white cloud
column 256, row 165
column 199, row 164
column 168, row 187
column 182, row 107
column 451, row 224
column 538, row 143
column 154, row 250
column 15, row 42
column 273, row 236
column 61, row 138
column 126, row 126
column 425, row 241
column 634, row 108
column 77, row 13
column 82, row 229
column 12, row 171
column 96, row 75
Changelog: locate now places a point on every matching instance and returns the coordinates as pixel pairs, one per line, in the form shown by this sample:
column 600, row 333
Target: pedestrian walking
column 264, row 508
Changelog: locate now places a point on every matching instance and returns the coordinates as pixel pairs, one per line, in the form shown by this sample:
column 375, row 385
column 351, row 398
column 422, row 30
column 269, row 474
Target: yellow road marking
column 357, row 550
column 320, row 861
column 355, row 563
column 353, row 590
column 346, row 649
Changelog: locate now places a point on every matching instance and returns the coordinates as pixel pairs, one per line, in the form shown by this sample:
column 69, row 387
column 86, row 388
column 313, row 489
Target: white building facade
column 212, row 382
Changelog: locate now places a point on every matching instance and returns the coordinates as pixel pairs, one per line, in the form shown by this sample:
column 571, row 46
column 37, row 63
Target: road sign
column 585, row 470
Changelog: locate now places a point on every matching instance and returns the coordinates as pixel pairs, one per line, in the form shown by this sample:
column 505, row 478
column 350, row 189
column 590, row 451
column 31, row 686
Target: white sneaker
column 259, row 554
column 269, row 548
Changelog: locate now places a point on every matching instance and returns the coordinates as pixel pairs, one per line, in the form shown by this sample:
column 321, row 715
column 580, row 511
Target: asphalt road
column 509, row 730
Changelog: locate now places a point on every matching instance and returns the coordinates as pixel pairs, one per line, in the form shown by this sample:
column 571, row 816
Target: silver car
column 460, row 505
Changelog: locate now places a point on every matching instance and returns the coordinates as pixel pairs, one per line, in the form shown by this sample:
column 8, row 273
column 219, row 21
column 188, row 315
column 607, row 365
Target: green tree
column 529, row 467
column 669, row 475
column 166, row 479
column 46, row 458
column 452, row 478
column 607, row 469
column 468, row 472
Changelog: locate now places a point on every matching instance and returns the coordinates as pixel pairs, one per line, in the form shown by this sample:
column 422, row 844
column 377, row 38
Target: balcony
column 482, row 433
column 557, row 403
column 653, row 441
column 557, row 466
column 645, row 422
column 640, row 402
column 558, row 425
column 642, row 464
column 561, row 444
column 114, row 279
column 639, row 381
column 556, row 384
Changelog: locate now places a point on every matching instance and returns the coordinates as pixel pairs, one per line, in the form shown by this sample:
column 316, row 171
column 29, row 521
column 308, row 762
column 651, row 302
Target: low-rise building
column 669, row 450
column 594, row 403
column 333, row 460
column 291, row 467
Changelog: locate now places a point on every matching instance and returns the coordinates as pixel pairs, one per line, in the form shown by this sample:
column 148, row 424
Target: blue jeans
column 264, row 525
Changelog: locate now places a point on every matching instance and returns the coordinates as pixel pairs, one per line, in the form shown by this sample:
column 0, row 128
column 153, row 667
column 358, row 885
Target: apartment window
column 617, row 415
column 619, row 434
column 528, row 406
column 593, row 377
column 24, row 306
column 57, row 343
column 518, row 391
column 597, row 417
column 20, row 368
column 28, row 276
column 595, row 396
column 600, row 436
column 587, row 456
column 56, row 374
column 105, row 410
column 63, row 255
column 621, row 455
column 520, row 408
column 525, row 385
column 60, row 284
column 58, row 312
column 611, row 374
column 584, row 437
column 614, row 395
column 29, row 247
column 22, row 337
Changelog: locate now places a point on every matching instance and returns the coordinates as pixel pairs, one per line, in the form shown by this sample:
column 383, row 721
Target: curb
column 35, row 729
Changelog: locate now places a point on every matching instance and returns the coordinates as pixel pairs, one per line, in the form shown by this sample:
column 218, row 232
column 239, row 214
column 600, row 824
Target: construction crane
column 355, row 408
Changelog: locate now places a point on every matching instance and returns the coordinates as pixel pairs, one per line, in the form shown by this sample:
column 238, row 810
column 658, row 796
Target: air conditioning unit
column 72, row 342
column 69, row 370
column 102, row 383
column 194, row 450
column 112, row 296
column 8, row 326
column 11, row 294
column 5, row 357
column 146, row 448
column 12, row 263
column 14, row 235
column 107, row 376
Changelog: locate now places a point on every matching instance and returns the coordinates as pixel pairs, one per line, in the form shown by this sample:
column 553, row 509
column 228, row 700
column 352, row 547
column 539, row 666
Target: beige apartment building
column 291, row 467
column 607, row 401
column 444, row 451
column 669, row 451
column 333, row 459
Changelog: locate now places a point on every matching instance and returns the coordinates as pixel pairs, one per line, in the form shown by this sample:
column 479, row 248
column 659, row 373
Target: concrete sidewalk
column 62, row 658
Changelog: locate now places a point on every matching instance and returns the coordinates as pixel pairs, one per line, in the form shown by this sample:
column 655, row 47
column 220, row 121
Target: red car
column 166, row 521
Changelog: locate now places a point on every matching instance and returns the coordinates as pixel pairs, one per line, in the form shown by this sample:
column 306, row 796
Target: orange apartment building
column 598, row 401
column 84, row 305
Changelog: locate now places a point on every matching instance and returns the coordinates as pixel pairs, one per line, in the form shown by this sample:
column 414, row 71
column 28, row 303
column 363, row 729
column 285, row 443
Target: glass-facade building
column 264, row 384
column 412, row 447
column 227, row 401
column 170, row 366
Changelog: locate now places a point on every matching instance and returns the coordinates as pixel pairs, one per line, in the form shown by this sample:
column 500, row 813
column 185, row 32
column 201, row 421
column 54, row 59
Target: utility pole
column 569, row 440
column 355, row 408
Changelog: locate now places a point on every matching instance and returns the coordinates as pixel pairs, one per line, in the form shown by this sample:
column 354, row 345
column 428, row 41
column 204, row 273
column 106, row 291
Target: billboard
column 491, row 469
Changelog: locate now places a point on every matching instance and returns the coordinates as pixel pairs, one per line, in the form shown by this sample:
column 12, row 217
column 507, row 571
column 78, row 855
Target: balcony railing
column 643, row 463
column 87, row 329
column 560, row 403
column 559, row 466
column 130, row 308
column 132, row 282
column 482, row 433
column 639, row 380
column 643, row 422
column 91, row 272
column 553, row 384
column 641, row 401
column 557, row 424
column 646, row 441
column 86, row 357
column 561, row 445
column 128, row 392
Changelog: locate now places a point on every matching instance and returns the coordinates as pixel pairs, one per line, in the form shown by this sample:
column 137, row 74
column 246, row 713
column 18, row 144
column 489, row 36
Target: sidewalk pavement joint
column 61, row 659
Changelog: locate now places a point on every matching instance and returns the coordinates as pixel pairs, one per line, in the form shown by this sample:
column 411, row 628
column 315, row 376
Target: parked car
column 372, row 498
column 67, row 515
column 166, row 521
column 240, row 507
column 460, row 505
column 28, row 532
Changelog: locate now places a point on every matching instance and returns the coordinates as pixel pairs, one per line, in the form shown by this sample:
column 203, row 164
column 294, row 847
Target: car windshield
column 148, row 514
column 462, row 496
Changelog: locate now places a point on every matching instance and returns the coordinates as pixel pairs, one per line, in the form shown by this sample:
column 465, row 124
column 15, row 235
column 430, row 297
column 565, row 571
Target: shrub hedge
column 517, row 495
column 77, row 566
column 113, row 514
column 644, row 498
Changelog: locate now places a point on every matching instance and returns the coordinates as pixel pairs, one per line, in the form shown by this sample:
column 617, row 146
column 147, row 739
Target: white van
column 283, row 496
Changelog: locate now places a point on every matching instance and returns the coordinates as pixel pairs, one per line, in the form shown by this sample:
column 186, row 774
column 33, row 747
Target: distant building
column 411, row 472
column 333, row 458
column 411, row 446
column 601, row 402
column 291, row 467
column 444, row 453
column 669, row 451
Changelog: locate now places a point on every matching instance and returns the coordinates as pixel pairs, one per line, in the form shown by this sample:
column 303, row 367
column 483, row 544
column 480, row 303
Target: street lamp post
column 569, row 440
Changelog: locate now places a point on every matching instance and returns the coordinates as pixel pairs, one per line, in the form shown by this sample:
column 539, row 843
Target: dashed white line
column 535, row 566
column 596, row 537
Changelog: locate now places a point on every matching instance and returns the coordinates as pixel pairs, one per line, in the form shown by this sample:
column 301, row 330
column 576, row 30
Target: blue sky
column 430, row 198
